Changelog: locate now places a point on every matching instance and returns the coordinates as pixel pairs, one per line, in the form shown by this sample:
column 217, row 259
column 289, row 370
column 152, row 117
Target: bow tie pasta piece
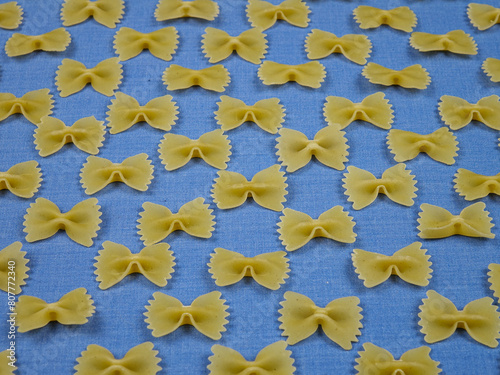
column 11, row 15
column 72, row 76
column 494, row 279
column 207, row 314
column 267, row 188
column 33, row 105
column 329, row 147
column 340, row 319
column 135, row 171
column 411, row 77
column 355, row 47
column 400, row 18
column 140, row 360
column 362, row 187
column 213, row 147
column 457, row 112
column 7, row 366
column 43, row 219
column 13, row 261
column 411, row 264
column 106, row 12
column 456, row 41
column 268, row 114
column 310, row 74
column 375, row 360
column 297, row 228
column 161, row 43
column 474, row 186
column 269, row 269
column 491, row 67
column 437, row 222
column 273, row 359
column 22, row 179
column 250, row 45
column 483, row 16
column 439, row 319
column 214, row 78
column 172, row 9
column 262, row 14
column 54, row 41
column 74, row 307
column 157, row 221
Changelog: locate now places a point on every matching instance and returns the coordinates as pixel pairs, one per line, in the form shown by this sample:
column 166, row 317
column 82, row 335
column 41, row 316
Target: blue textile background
column 322, row 269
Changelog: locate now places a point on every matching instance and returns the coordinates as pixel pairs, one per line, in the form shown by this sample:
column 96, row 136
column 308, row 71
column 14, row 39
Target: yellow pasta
column 494, row 279
column 439, row 319
column 457, row 112
column 269, row 269
column 33, row 105
column 207, row 314
column 456, row 41
column 22, row 179
column 483, row 16
column 7, row 361
column 214, row 78
column 491, row 67
column 54, row 41
column 263, row 14
column 411, row 77
column 400, row 18
column 472, row 186
column 310, row 74
column 213, row 147
column 14, row 269
column 172, row 9
column 267, row 188
column 106, row 12
column 11, row 15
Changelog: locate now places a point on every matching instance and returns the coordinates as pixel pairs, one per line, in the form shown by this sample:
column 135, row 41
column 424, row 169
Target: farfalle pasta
column 440, row 145
column 106, row 12
column 411, row 264
column 491, row 67
column 74, row 307
column 7, row 362
column 457, row 112
column 214, row 78
column 51, row 134
column 262, row 14
column 355, row 47
column 439, row 319
column 11, row 15
column 172, row 9
column 267, row 114
column 43, row 219
column 22, row 179
column 411, row 77
column 161, row 43
column 33, row 105
column 340, row 319
column 13, row 269
column 267, row 188
column 472, row 185
column 329, row 147
column 310, row 74
column 139, row 360
column 437, row 222
column 456, row 41
column 483, row 16
column 54, row 41
column 494, row 278
column 135, row 171
column 115, row 261
column 269, row 269
column 157, row 221
column 400, row 18
column 207, row 313
column 362, row 187
column 296, row 228
column 375, row 109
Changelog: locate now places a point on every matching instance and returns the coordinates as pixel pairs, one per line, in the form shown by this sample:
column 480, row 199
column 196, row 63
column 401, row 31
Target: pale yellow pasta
column 472, row 185
column 140, row 360
column 106, row 12
column 177, row 150
column 437, row 222
column 456, row 41
column 22, row 179
column 18, row 271
column 43, row 219
column 214, row 78
column 74, row 307
column 207, row 313
column 72, row 76
column 115, row 261
column 494, row 278
column 329, row 147
column 374, row 360
column 362, row 187
column 296, row 228
column 269, row 269
column 411, row 77
column 263, row 14
column 440, row 145
column 273, row 359
column 375, row 109
column 491, row 67
column 135, row 171
column 310, row 74
column 483, row 16
column 172, row 9
column 457, row 112
column 267, row 188
column 400, row 18
column 7, row 359
column 250, row 45
column 439, row 319
column 161, row 43
column 340, row 319
column 267, row 114
column 157, row 221
column 54, row 41
column 355, row 47
column 52, row 134
column 11, row 15
column 33, row 105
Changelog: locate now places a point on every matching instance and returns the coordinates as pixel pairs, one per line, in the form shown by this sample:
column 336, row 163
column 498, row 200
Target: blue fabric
column 322, row 269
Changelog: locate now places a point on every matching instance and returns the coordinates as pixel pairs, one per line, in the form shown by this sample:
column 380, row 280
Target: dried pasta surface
column 22, row 179
column 411, row 77
column 214, row 78
column 54, row 41
column 263, row 14
column 400, row 18
column 457, row 112
column 13, row 269
column 491, row 67
column 483, row 16
column 33, row 105
column 472, row 185
column 105, row 12
column 456, row 41
column 11, row 15
column 494, row 278
column 310, row 74
column 7, row 362
column 172, row 9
